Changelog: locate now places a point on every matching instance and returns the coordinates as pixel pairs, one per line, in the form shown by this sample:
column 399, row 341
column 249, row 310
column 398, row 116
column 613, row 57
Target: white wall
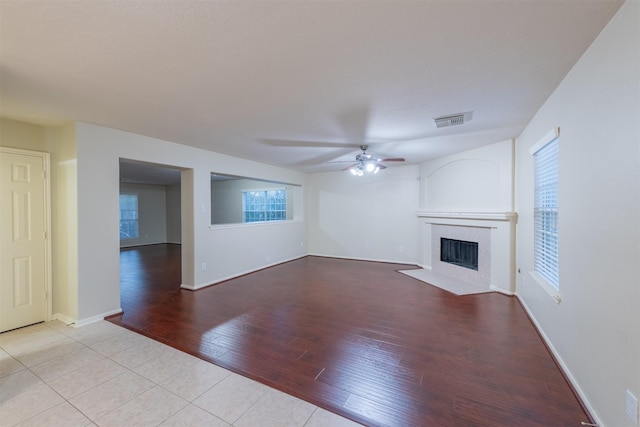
column 364, row 217
column 26, row 136
column 479, row 180
column 241, row 248
column 595, row 329
column 174, row 217
column 152, row 214
column 226, row 253
column 65, row 226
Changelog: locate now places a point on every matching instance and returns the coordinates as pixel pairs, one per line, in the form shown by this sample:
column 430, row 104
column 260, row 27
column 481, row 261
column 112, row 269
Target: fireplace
column 459, row 252
column 462, row 242
column 493, row 232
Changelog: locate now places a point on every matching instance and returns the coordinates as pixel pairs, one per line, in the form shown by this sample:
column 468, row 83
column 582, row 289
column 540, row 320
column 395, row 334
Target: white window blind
column 546, row 212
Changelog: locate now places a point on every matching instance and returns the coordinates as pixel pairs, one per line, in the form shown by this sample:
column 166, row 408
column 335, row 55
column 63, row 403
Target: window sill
column 548, row 287
column 253, row 224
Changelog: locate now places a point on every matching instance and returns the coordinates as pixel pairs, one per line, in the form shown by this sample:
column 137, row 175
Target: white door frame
column 46, row 162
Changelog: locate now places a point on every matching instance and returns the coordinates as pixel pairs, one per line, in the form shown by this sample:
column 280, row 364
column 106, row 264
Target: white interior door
column 24, row 220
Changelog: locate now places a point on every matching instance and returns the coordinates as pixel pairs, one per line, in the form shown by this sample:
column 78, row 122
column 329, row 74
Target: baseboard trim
column 244, row 273
column 386, row 261
column 64, row 319
column 235, row 276
column 88, row 320
column 566, row 372
column 502, row 291
column 139, row 245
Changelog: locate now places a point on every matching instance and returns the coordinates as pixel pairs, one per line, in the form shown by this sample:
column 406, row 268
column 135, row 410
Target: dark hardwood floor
column 357, row 338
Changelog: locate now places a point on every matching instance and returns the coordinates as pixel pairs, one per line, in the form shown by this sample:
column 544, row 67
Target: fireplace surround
column 493, row 231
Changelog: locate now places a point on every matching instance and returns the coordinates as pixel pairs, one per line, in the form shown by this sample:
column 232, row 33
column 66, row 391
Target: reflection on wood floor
column 357, row 338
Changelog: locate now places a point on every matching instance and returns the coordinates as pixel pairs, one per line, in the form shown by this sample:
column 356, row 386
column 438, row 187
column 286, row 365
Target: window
column 264, row 205
column 545, row 213
column 128, row 216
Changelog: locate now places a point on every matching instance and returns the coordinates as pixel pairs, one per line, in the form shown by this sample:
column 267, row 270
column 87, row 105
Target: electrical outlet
column 632, row 407
column 204, row 266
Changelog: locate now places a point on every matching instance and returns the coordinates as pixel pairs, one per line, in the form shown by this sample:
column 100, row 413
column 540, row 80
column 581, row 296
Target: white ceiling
column 294, row 83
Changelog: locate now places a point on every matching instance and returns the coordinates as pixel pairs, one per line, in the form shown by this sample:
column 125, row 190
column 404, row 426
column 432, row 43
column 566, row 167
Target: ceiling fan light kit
column 366, row 164
column 364, row 168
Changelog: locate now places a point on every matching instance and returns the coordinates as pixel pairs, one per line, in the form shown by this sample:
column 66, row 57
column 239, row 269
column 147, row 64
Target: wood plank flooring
column 357, row 338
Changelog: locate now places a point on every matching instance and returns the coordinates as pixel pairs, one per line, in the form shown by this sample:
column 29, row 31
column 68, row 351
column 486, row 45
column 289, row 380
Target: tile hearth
column 447, row 283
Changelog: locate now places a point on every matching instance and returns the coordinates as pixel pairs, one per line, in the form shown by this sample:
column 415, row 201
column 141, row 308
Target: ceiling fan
column 368, row 164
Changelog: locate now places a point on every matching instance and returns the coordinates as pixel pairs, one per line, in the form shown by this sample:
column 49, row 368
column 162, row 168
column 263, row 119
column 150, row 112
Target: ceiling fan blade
column 394, row 159
column 348, row 167
column 307, row 144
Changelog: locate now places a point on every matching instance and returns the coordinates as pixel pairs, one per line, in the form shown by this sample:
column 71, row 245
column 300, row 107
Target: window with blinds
column 546, row 212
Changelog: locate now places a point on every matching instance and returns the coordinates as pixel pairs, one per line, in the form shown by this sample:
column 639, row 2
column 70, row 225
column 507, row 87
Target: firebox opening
column 459, row 252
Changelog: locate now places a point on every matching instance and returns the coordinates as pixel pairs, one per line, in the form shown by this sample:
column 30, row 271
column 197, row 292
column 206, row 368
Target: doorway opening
column 150, row 231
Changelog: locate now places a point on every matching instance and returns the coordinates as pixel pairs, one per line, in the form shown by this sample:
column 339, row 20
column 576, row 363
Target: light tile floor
column 101, row 374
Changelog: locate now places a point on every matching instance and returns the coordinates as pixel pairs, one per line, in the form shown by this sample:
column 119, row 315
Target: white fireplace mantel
column 502, row 227
column 489, row 216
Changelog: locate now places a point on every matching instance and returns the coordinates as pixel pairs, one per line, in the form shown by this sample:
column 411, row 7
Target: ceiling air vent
column 453, row 119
